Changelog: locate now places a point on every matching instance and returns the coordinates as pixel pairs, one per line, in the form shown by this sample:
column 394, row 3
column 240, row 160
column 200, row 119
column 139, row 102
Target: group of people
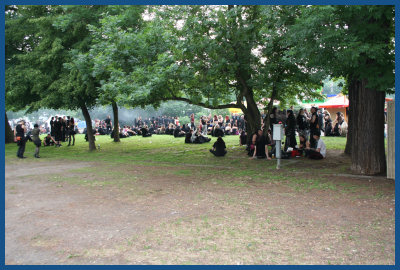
column 207, row 125
column 62, row 129
column 307, row 125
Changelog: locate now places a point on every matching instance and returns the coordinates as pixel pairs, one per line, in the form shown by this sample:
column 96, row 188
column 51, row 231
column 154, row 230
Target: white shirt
column 321, row 145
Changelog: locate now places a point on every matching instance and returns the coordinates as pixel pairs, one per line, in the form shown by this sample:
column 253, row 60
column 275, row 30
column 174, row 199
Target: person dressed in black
column 302, row 123
column 178, row 132
column 108, row 124
column 219, row 148
column 321, row 120
column 145, row 132
column 48, row 140
column 57, row 131
column 243, row 138
column 273, row 118
column 63, row 129
column 290, row 131
column 19, row 137
column 71, row 131
column 52, row 126
column 261, row 146
column 218, row 132
column 328, row 125
column 314, row 127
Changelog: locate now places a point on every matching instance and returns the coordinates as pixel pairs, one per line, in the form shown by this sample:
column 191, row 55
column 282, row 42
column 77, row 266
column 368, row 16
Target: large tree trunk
column 89, row 128
column 253, row 116
column 368, row 148
column 352, row 104
column 269, row 109
column 9, row 133
column 116, row 128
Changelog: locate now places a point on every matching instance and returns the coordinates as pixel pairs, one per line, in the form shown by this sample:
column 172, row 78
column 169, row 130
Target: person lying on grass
column 320, row 151
column 219, row 148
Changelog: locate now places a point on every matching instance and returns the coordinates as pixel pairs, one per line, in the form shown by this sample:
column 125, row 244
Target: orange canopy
column 339, row 101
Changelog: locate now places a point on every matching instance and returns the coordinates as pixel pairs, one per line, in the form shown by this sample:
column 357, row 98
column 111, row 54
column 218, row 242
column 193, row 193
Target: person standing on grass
column 290, row 131
column 320, row 151
column 219, row 148
column 314, row 127
column 108, row 124
column 36, row 140
column 57, row 131
column 19, row 137
column 71, row 131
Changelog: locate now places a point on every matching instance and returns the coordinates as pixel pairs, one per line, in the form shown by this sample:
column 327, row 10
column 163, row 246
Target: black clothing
column 290, row 132
column 20, row 136
column 314, row 129
column 261, row 142
column 57, row 130
column 219, row 148
column 52, row 128
column 188, row 136
column 218, row 132
column 177, row 133
column 108, row 125
column 19, row 131
column 321, row 121
column 272, row 120
column 145, row 132
column 243, row 138
column 63, row 130
column 328, row 128
column 302, row 122
column 48, row 141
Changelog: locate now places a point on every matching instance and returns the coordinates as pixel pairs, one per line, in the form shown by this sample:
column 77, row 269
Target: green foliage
column 347, row 41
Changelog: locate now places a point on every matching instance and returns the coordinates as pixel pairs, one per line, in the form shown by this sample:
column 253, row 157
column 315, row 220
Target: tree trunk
column 89, row 128
column 367, row 145
column 9, row 138
column 352, row 105
column 116, row 128
column 269, row 109
column 253, row 116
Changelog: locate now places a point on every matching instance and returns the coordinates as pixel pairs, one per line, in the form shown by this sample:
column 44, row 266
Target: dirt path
column 141, row 215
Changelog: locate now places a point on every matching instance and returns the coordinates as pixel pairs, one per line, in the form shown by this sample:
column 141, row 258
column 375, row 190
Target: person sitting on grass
column 188, row 136
column 197, row 137
column 217, row 131
column 260, row 146
column 145, row 132
column 178, row 132
column 302, row 143
column 219, row 148
column 320, row 151
column 48, row 140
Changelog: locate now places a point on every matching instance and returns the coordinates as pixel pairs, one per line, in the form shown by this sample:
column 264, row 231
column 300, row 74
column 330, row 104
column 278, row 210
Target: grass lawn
column 157, row 200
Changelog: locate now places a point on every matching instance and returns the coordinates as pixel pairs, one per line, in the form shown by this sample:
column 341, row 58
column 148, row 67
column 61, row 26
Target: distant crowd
column 307, row 126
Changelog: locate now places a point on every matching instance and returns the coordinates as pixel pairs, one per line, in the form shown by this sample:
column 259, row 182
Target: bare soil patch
column 64, row 212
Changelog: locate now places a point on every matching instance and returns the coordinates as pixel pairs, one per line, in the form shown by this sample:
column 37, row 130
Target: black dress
column 261, row 142
column 57, row 130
